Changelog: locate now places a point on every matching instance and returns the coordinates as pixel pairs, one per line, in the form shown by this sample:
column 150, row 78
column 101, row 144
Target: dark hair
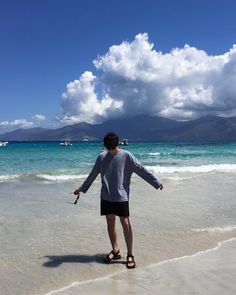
column 110, row 141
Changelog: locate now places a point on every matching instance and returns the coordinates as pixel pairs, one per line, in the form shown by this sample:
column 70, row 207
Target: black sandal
column 112, row 256
column 130, row 259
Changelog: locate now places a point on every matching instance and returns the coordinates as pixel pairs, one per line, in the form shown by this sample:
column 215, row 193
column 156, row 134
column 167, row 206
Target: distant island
column 137, row 128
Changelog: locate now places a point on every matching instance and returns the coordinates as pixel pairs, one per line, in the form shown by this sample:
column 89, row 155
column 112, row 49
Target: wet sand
column 209, row 272
column 47, row 243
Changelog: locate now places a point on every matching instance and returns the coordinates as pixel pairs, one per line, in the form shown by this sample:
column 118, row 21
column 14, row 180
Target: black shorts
column 116, row 208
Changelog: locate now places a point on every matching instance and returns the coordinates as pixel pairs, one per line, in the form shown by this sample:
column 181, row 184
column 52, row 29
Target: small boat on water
column 3, row 143
column 66, row 143
column 124, row 141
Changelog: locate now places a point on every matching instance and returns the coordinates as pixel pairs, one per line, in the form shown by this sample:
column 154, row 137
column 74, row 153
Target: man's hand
column 77, row 192
column 161, row 187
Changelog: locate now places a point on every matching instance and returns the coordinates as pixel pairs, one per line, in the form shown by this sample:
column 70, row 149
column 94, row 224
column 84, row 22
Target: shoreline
column 220, row 244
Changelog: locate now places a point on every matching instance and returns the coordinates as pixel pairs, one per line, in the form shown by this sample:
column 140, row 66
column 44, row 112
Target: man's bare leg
column 127, row 234
column 129, row 241
column 127, row 229
column 112, row 232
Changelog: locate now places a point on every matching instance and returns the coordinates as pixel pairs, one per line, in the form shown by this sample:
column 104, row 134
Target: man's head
column 111, row 141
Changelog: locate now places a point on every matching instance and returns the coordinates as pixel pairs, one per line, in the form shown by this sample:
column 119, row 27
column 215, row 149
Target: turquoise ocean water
column 49, row 160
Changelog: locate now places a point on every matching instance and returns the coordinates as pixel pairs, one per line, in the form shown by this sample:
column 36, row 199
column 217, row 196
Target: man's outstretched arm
column 141, row 171
column 89, row 180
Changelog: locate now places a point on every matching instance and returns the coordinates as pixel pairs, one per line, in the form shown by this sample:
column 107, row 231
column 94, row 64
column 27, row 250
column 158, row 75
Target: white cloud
column 185, row 83
column 80, row 102
column 39, row 118
column 18, row 123
column 21, row 123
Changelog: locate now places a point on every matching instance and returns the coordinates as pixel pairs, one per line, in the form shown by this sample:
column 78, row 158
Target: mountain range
column 137, row 128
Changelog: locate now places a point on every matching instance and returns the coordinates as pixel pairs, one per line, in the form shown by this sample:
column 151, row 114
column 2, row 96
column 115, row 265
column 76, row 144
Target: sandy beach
column 206, row 272
column 63, row 243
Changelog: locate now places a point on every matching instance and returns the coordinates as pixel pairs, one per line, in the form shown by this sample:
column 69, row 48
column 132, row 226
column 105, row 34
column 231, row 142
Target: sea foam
column 5, row 178
column 59, row 178
column 215, row 229
column 194, row 169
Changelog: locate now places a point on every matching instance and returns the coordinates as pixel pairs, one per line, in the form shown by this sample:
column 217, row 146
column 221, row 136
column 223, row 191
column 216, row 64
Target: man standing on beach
column 116, row 167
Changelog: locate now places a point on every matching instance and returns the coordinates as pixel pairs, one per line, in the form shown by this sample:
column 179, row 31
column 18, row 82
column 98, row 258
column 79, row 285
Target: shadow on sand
column 55, row 261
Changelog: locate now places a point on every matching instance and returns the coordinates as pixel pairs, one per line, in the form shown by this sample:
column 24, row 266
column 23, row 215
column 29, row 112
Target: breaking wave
column 8, row 177
column 43, row 177
column 60, row 177
column 194, row 169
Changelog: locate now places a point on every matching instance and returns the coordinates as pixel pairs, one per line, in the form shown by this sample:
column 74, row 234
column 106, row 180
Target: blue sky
column 48, row 43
